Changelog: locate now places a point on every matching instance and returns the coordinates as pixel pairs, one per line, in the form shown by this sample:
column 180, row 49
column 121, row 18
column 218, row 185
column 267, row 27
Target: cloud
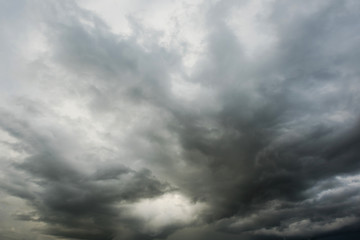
column 106, row 135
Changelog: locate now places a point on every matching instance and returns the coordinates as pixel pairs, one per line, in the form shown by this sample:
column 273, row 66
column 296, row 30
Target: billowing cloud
column 179, row 120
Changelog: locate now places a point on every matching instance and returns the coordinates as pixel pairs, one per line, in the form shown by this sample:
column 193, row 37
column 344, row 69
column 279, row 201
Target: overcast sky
column 179, row 119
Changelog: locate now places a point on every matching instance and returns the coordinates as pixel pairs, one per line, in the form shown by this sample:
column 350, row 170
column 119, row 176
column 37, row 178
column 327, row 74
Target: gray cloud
column 100, row 126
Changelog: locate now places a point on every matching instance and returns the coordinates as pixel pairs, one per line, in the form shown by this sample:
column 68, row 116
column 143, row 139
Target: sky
column 179, row 119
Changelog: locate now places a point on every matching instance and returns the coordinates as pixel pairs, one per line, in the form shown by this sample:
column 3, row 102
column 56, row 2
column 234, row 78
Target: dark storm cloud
column 277, row 157
column 74, row 203
column 278, row 139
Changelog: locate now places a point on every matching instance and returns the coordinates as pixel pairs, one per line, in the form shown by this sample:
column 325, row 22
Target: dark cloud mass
column 179, row 120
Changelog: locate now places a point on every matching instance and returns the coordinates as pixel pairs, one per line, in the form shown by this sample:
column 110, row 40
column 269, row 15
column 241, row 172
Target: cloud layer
column 179, row 120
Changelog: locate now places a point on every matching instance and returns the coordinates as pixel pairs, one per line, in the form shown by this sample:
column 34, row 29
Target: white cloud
column 171, row 209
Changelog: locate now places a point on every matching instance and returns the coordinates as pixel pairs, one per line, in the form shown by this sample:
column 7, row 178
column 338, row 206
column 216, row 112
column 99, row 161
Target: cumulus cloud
column 182, row 119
